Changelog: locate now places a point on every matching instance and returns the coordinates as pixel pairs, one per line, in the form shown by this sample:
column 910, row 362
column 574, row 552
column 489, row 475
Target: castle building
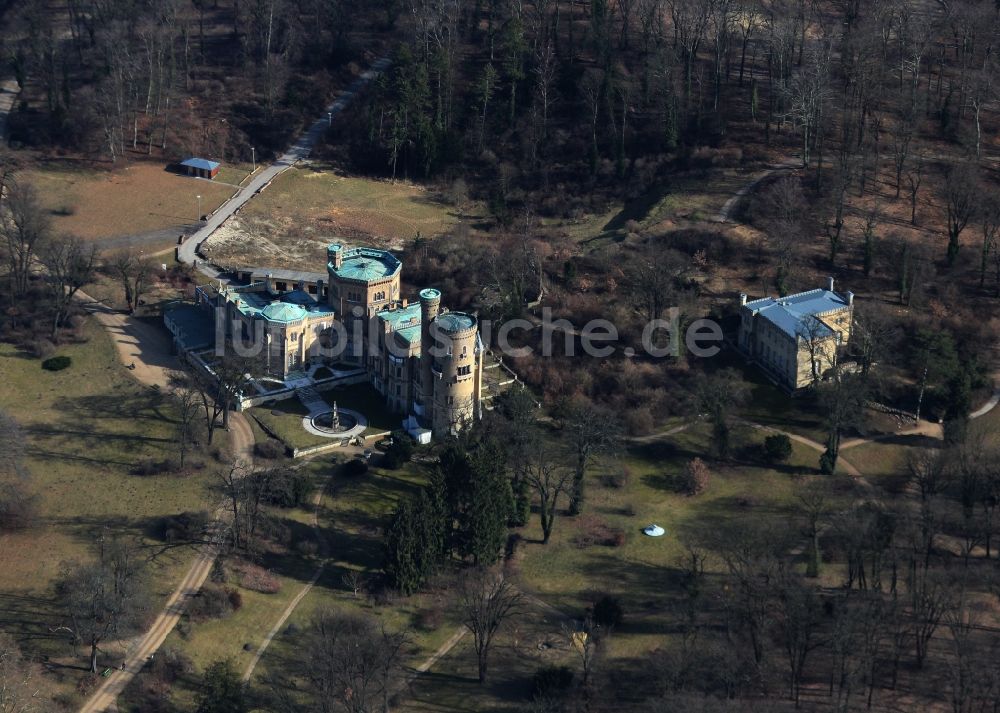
column 797, row 338
column 425, row 361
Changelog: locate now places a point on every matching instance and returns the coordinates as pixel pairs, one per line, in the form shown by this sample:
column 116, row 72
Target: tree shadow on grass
column 29, row 617
column 50, row 455
column 362, row 551
column 914, row 440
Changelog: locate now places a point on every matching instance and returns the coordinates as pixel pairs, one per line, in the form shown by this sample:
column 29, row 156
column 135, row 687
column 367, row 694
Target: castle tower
column 430, row 305
column 456, row 374
column 334, row 262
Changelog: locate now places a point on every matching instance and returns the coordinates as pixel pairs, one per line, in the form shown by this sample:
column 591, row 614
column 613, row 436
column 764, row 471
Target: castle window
column 464, row 370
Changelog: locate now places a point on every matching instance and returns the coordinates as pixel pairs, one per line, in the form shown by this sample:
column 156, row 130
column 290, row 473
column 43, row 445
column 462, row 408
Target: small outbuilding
column 200, row 167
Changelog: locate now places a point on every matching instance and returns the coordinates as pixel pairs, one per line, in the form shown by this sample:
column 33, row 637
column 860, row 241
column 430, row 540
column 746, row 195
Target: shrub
column 639, row 421
column 430, row 619
column 778, row 448
column 269, row 449
column 356, row 466
column 619, row 479
column 307, row 548
column 595, row 531
column 57, row 363
column 551, row 681
column 400, row 452
column 169, row 665
column 211, row 602
column 182, row 527
column 152, row 466
column 607, row 612
column 41, row 348
column 258, row 579
column 218, row 573
column 288, row 488
column 694, row 478
column 235, row 599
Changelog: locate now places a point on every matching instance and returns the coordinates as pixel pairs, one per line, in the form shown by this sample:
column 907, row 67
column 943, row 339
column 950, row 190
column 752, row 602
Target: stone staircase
column 312, row 400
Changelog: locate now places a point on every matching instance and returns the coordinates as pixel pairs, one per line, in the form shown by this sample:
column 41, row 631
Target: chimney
column 319, row 290
column 743, row 299
column 850, row 298
column 830, row 285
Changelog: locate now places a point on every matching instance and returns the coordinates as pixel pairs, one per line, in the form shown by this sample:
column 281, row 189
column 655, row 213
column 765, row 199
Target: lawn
column 284, row 418
column 697, row 196
column 352, row 515
column 86, row 428
column 295, row 218
column 130, row 200
column 570, row 570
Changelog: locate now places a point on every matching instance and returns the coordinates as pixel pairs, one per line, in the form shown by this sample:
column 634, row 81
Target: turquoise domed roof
column 283, row 312
column 453, row 322
column 363, row 264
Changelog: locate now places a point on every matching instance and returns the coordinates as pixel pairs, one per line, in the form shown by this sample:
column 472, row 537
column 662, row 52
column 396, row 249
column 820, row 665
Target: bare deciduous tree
column 18, row 691
column 186, row 399
column 550, row 481
column 589, row 432
column 486, row 600
column 104, row 599
column 25, row 227
column 961, row 196
column 352, row 664
column 71, row 266
column 133, row 274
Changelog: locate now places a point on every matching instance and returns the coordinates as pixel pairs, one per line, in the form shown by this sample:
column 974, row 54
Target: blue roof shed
column 201, row 167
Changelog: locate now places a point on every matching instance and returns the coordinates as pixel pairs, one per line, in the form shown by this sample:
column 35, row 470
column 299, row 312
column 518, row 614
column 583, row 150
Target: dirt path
column 725, row 213
column 150, row 350
column 137, row 342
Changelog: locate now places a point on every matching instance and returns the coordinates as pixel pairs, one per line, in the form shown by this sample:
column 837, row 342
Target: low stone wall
column 333, row 445
column 882, row 408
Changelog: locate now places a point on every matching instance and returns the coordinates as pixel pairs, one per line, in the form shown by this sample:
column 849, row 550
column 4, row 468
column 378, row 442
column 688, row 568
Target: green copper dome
column 453, row 322
column 283, row 312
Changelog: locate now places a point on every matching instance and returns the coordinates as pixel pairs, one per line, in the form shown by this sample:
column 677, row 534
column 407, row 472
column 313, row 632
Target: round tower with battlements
column 455, row 372
column 430, row 305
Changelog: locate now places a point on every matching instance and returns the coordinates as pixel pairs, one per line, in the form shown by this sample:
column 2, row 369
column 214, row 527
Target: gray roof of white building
column 796, row 315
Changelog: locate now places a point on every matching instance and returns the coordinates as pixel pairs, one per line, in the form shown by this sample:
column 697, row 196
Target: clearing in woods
column 291, row 222
column 94, row 203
